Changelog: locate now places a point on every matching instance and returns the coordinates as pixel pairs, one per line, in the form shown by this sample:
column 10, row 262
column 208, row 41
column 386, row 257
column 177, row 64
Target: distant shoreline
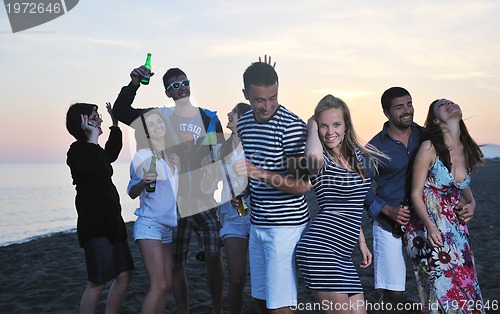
column 490, row 151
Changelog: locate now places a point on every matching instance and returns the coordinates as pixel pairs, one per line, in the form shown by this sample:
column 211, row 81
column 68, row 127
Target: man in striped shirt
column 273, row 140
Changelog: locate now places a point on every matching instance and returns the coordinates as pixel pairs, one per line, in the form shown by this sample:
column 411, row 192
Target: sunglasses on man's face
column 177, row 85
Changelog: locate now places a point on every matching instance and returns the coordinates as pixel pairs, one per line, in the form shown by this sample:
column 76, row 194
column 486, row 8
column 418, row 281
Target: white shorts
column 273, row 271
column 147, row 228
column 389, row 260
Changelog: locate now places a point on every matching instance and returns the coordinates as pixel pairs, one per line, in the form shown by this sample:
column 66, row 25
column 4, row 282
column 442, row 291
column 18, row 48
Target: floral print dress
column 446, row 276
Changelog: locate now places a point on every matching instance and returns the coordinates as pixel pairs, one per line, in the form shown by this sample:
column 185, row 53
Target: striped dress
column 324, row 254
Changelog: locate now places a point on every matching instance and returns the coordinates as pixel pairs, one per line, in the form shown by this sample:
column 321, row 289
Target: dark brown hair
column 172, row 72
column 259, row 74
column 241, row 108
column 432, row 131
column 74, row 119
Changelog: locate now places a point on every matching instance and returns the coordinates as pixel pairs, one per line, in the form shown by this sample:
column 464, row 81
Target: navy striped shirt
column 268, row 146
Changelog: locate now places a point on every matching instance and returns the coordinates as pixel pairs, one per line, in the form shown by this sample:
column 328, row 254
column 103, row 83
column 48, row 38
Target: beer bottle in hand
column 399, row 230
column 242, row 206
column 151, row 186
column 147, row 64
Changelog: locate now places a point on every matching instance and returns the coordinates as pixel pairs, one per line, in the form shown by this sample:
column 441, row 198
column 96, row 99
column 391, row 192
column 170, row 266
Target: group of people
column 428, row 167
column 270, row 161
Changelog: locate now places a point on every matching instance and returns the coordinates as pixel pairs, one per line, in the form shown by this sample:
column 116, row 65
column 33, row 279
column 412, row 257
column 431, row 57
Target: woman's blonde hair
column 351, row 142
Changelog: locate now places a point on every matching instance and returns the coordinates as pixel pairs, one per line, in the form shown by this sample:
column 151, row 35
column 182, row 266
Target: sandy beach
column 47, row 275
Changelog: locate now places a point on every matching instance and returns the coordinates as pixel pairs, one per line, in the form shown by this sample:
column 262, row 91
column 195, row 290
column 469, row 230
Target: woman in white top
column 235, row 228
column 157, row 213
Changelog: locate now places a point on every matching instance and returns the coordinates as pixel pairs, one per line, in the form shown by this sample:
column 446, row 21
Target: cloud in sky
column 353, row 50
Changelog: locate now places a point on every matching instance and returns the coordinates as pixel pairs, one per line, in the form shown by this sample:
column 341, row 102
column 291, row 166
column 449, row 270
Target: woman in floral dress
column 437, row 238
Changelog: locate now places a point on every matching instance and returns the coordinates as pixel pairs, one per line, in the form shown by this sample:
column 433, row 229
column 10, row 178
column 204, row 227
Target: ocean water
column 37, row 200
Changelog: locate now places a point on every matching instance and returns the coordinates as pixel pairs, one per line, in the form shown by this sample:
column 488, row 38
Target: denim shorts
column 147, row 228
column 233, row 229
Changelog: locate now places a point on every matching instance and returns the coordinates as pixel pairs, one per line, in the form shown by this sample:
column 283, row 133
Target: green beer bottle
column 147, row 64
column 151, row 186
column 399, row 230
column 242, row 207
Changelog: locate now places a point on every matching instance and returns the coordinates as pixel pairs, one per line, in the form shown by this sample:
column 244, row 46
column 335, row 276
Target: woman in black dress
column 101, row 230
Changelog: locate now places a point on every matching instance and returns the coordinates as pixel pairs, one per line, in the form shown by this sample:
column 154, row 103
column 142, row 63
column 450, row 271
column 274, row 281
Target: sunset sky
column 351, row 49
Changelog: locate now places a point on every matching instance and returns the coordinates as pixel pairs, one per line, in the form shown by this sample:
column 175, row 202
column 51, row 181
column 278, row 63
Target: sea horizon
column 37, row 200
